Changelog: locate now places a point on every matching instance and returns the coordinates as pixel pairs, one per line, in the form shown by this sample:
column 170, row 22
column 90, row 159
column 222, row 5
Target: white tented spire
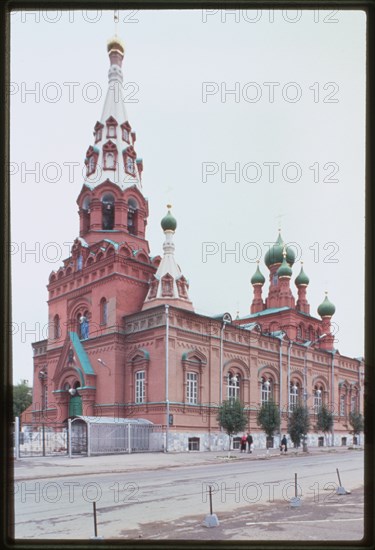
column 168, row 285
column 112, row 155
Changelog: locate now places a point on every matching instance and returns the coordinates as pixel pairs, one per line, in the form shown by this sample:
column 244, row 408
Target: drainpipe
column 288, row 382
column 221, row 362
column 281, row 383
column 167, row 375
column 360, row 373
column 333, row 395
column 70, row 437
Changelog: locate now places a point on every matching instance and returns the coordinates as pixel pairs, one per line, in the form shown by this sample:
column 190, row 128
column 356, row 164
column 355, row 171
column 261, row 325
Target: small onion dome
column 275, row 253
column 115, row 44
column 168, row 223
column 326, row 308
column 302, row 279
column 258, row 277
column 284, row 270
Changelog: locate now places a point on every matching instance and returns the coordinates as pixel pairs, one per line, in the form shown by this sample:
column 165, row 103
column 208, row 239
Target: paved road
column 251, row 499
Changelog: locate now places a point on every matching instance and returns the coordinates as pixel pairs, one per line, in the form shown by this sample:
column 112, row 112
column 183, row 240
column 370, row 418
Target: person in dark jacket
column 243, row 443
column 249, row 440
column 284, row 445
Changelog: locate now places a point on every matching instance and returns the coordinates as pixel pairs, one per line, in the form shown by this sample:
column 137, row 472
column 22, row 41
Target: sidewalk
column 62, row 466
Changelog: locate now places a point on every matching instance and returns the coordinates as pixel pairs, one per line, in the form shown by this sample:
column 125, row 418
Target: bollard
column 95, row 537
column 295, row 502
column 211, row 520
column 340, row 489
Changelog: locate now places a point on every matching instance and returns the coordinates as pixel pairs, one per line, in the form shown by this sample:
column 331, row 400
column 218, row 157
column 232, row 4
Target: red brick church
column 124, row 334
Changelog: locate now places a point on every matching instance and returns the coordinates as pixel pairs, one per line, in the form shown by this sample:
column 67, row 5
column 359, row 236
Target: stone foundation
column 218, row 441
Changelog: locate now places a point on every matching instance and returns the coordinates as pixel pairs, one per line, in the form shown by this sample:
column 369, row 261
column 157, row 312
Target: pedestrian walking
column 284, row 445
column 243, row 443
column 249, row 440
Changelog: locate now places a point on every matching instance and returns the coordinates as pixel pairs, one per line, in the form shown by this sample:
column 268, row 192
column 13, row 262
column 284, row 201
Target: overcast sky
column 293, row 131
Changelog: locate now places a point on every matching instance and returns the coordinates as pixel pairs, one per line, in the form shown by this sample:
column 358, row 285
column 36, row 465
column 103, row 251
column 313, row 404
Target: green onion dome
column 258, row 277
column 302, row 278
column 326, row 308
column 169, row 223
column 275, row 253
column 284, row 270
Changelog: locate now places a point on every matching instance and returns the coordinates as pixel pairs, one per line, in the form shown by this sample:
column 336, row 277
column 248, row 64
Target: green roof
column 81, row 353
column 275, row 253
column 284, row 270
column 258, row 277
column 168, row 222
column 326, row 308
column 302, row 278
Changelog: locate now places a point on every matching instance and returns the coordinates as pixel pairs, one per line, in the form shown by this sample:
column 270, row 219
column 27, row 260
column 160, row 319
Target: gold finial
column 169, row 206
column 258, row 262
column 301, row 262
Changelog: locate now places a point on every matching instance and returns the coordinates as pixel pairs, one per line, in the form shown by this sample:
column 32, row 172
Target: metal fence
column 41, row 440
column 98, row 436
column 87, row 436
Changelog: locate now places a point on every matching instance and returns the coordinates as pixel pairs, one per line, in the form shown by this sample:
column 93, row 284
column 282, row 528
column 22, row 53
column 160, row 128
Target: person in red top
column 243, row 443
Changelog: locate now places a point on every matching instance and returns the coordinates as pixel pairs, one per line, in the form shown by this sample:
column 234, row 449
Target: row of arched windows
column 112, row 124
column 234, row 387
column 307, row 333
column 110, row 159
column 82, row 321
column 108, row 213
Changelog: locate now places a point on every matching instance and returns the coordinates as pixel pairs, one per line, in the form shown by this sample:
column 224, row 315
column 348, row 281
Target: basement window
column 194, row 443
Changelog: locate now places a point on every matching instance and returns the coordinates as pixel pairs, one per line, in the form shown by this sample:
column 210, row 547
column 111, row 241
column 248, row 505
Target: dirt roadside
column 331, row 517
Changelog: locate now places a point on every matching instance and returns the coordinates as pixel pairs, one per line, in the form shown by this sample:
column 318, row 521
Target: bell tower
column 107, row 275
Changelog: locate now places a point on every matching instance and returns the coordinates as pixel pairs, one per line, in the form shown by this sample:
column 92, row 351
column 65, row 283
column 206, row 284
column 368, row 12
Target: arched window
column 86, row 214
column 111, row 127
column 79, row 262
column 129, row 156
column 311, row 336
column 56, row 327
column 342, row 404
column 109, row 160
column 130, row 166
column 126, row 128
column 132, row 216
column 98, row 131
column 300, row 332
column 140, row 390
column 83, row 325
column 109, row 156
column 266, row 390
column 91, row 165
column 167, row 285
column 192, row 388
column 318, row 397
column 233, row 388
column 108, row 211
column 353, row 403
column 103, row 311
column 91, row 160
column 294, row 392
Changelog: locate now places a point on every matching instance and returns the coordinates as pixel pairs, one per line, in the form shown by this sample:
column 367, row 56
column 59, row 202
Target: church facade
column 125, row 340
